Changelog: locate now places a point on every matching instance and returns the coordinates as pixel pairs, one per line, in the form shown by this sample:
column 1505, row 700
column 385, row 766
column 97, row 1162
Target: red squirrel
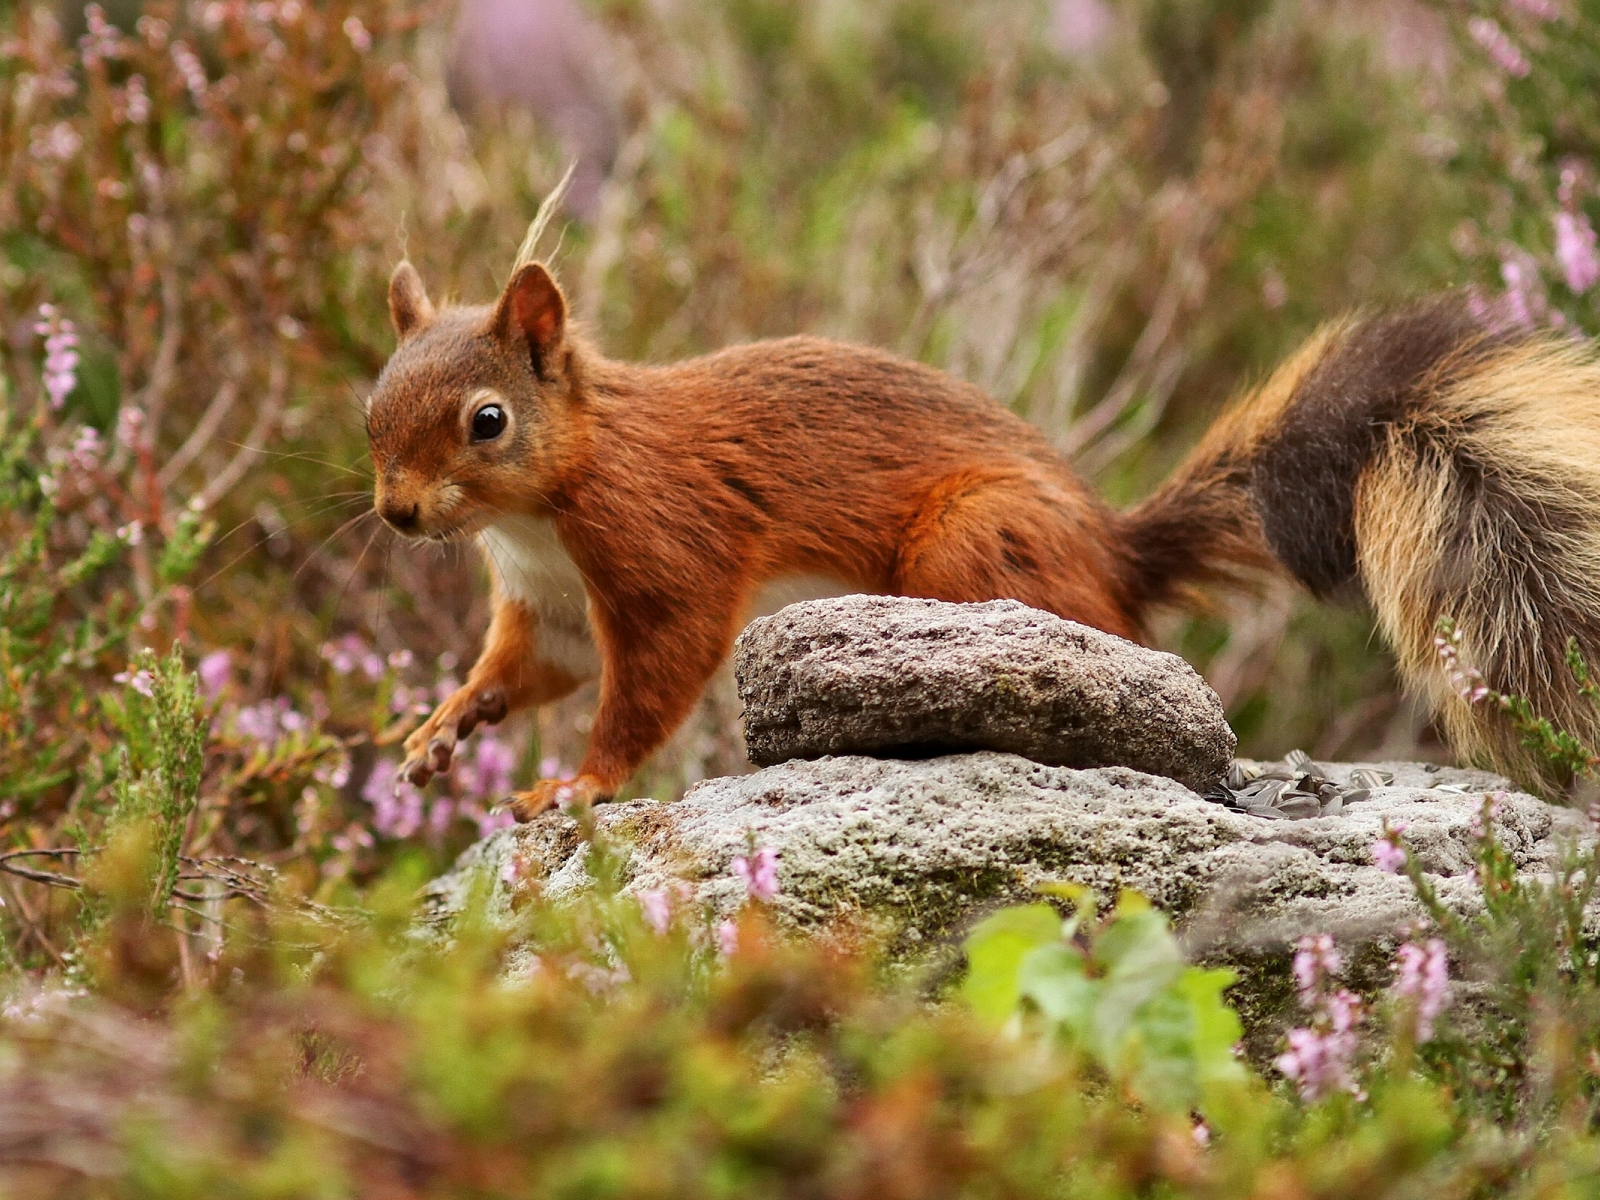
column 632, row 515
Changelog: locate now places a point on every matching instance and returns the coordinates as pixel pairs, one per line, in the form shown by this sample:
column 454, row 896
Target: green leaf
column 1056, row 979
column 1217, row 1028
column 995, row 950
column 1140, row 957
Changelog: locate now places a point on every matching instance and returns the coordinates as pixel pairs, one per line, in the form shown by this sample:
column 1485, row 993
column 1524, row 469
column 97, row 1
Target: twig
column 205, row 429
column 254, row 443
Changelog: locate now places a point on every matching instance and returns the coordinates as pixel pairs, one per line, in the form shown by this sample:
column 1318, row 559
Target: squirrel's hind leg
column 1011, row 535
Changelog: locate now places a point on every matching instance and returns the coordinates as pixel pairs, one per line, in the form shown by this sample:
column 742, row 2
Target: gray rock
column 921, row 848
column 888, row 675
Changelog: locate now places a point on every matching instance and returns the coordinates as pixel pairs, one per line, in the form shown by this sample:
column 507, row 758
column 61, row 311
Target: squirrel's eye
column 488, row 423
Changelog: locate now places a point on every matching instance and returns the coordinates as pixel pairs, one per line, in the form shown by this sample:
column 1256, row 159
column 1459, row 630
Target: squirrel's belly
column 532, row 566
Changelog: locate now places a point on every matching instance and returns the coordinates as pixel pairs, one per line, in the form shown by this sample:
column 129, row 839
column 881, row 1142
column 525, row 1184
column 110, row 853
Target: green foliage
column 1118, row 990
column 159, row 767
column 1531, row 957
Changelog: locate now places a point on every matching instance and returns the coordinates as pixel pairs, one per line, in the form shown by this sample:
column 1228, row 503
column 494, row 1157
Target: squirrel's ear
column 533, row 308
column 409, row 306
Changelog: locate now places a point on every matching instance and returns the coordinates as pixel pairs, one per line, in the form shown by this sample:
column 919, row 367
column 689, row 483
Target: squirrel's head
column 473, row 411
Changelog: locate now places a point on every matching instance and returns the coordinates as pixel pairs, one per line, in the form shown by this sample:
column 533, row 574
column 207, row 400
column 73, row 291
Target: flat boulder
column 922, row 848
column 896, row 677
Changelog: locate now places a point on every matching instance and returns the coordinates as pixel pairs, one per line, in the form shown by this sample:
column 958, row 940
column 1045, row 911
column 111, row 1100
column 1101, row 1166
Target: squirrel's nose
column 402, row 516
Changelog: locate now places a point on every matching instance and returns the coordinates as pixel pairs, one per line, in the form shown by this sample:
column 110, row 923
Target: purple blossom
column 1319, row 1056
column 1575, row 251
column 760, row 874
column 1483, row 820
column 1315, row 960
column 1468, row 682
column 657, row 906
column 1318, row 1061
column 140, row 681
column 59, row 141
column 86, row 449
column 1423, row 977
column 351, row 651
column 60, row 354
column 397, row 805
column 1387, row 851
column 488, row 775
column 358, row 35
column 103, row 40
column 215, row 670
column 268, row 721
column 190, row 69
column 1486, row 31
column 727, row 938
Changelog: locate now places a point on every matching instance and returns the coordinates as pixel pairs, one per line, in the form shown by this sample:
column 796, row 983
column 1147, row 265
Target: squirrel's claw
column 431, row 748
column 554, row 793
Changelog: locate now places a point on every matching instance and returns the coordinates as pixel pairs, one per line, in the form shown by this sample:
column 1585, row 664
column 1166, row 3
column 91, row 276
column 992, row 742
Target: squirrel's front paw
column 431, row 746
column 551, row 793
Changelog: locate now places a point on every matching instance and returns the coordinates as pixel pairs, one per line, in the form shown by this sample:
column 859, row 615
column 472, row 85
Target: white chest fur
column 533, row 567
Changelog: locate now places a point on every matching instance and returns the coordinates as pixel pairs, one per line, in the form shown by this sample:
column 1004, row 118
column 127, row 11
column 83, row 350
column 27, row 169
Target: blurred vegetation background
column 1110, row 215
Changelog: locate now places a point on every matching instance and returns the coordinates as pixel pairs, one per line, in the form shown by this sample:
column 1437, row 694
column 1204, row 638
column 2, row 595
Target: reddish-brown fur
column 679, row 490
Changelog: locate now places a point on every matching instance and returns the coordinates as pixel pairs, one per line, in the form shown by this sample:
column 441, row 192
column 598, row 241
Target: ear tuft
column 532, row 308
column 409, row 306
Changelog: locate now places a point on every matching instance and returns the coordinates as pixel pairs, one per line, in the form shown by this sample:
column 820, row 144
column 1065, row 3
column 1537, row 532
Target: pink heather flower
column 1575, row 251
column 760, row 875
column 492, row 764
column 59, row 141
column 268, row 721
column 190, row 69
column 397, row 805
column 1545, row 10
column 215, row 669
column 60, row 354
column 129, row 422
column 399, row 660
column 1519, row 299
column 358, row 35
column 1318, row 1062
column 551, row 767
column 1315, row 959
column 657, row 906
column 727, row 938
column 1389, row 854
column 86, row 449
column 135, row 108
column 1468, row 682
column 351, row 651
column 103, row 39
column 1486, row 31
column 1201, row 1134
column 440, row 813
column 132, row 533
column 1319, row 1057
column 1423, row 977
column 140, row 681
column 1483, row 820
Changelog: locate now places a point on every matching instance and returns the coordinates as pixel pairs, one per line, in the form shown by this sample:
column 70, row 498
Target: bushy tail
column 1452, row 470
